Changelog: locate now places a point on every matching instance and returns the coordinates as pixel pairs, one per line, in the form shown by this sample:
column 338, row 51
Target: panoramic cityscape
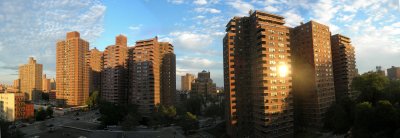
column 199, row 69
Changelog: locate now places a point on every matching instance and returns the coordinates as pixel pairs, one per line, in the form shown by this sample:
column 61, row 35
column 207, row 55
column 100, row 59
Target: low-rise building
column 29, row 110
column 12, row 106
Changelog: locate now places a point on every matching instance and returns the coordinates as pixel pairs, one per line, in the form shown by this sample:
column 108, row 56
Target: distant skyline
column 195, row 28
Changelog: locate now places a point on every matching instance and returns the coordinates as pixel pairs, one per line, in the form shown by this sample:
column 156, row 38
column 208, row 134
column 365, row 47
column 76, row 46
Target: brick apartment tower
column 257, row 76
column 17, row 84
column 114, row 77
column 393, row 73
column 46, row 84
column 30, row 76
column 186, row 82
column 147, row 68
column 146, row 75
column 313, row 84
column 95, row 61
column 203, row 84
column 72, row 70
column 167, row 74
column 344, row 65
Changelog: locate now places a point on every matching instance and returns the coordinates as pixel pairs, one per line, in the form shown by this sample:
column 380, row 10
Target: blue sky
column 194, row 27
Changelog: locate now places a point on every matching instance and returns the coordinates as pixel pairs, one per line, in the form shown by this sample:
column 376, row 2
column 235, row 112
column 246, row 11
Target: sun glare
column 283, row 70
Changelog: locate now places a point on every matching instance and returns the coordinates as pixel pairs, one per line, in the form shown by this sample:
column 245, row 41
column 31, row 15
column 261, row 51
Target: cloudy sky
column 195, row 27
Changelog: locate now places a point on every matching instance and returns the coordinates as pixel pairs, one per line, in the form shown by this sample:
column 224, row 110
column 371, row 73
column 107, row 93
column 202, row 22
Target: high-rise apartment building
column 146, row 75
column 393, row 73
column 95, row 61
column 150, row 71
column 344, row 65
column 186, row 82
column 114, row 78
column 72, row 70
column 257, row 76
column 52, row 84
column 46, row 84
column 167, row 74
column 12, row 106
column 313, row 83
column 203, row 84
column 17, row 84
column 30, row 76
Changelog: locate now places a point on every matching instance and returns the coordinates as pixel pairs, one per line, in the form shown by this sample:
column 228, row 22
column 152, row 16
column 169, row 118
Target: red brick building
column 29, row 111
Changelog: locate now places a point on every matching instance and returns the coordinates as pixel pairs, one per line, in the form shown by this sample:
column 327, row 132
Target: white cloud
column 200, row 2
column 269, row 8
column 136, row 27
column 200, row 17
column 292, row 18
column 242, row 7
column 176, row 1
column 166, row 39
column 191, row 64
column 268, row 2
column 324, row 11
column 190, row 40
column 33, row 28
column 347, row 18
column 207, row 10
column 197, row 62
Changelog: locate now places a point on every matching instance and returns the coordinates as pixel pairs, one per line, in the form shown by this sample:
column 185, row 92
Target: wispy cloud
column 200, row 2
column 207, row 10
column 242, row 7
column 135, row 27
column 32, row 28
column 176, row 1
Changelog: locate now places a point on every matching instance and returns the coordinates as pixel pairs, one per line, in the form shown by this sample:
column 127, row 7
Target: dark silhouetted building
column 344, row 65
column 313, row 83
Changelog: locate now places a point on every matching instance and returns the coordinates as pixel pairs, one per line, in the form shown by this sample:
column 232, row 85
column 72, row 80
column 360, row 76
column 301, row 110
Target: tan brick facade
column 72, row 70
column 30, row 76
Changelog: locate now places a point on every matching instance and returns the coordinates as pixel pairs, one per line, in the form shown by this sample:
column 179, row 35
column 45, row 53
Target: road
column 58, row 122
column 68, row 126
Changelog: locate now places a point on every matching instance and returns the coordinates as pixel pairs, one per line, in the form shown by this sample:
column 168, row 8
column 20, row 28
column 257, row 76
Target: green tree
column 131, row 120
column 110, row 114
column 194, row 104
column 49, row 111
column 164, row 115
column 385, row 119
column 214, row 110
column 393, row 92
column 189, row 122
column 337, row 119
column 371, row 85
column 93, row 99
column 41, row 114
column 113, row 114
column 45, row 96
column 363, row 120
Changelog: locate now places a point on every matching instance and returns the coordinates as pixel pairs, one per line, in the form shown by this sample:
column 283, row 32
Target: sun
column 283, row 70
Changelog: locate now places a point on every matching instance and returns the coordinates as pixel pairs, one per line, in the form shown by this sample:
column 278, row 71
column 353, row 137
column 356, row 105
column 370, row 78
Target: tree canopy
column 374, row 113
